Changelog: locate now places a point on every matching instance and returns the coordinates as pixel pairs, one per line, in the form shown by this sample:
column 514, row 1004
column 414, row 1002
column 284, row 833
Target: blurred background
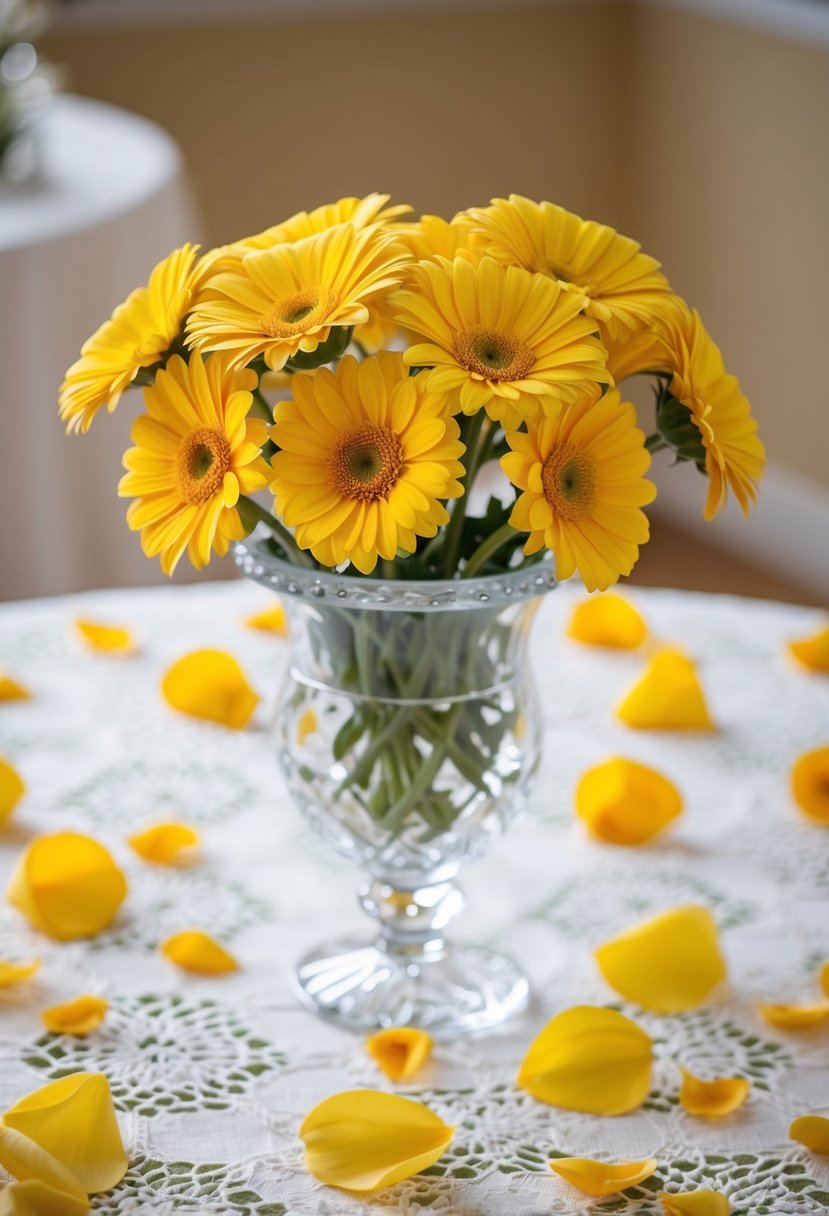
column 700, row 127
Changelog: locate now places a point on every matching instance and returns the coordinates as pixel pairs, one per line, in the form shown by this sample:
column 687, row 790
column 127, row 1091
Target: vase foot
column 366, row 987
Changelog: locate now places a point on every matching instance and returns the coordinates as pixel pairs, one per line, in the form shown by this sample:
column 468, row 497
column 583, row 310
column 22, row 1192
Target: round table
column 113, row 201
column 212, row 1077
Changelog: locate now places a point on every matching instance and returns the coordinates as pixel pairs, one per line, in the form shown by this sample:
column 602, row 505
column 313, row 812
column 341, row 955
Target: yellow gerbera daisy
column 287, row 299
column 624, row 287
column 196, row 452
column 366, row 455
column 500, row 337
column 582, row 480
column 137, row 335
column 432, row 236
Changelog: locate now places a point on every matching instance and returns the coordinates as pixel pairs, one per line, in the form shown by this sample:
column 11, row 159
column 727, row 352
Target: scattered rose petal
column 307, row 725
column 210, row 684
column 607, row 620
column 712, row 1099
column 667, row 696
column 796, row 1017
column 626, row 803
column 669, row 963
column 73, row 1119
column 10, row 690
column 363, row 1139
column 164, row 843
column 12, row 789
column 810, row 784
column 111, row 639
column 589, row 1059
column 36, row 1198
column 67, row 885
column 599, row 1178
column 400, row 1051
column 813, row 1131
column 79, row 1016
column 812, row 652
column 272, row 620
column 696, row 1203
column 13, row 973
column 199, row 953
column 46, row 1186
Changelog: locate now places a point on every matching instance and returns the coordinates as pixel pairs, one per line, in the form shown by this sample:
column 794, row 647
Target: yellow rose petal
column 810, row 784
column 271, row 620
column 589, row 1059
column 74, row 1120
column 607, row 620
column 13, row 973
column 307, row 725
column 668, row 964
column 110, row 639
column 626, row 803
column 363, row 1139
column 67, row 885
column 696, row 1203
column 400, row 1050
column 199, row 953
column 667, row 696
column 164, row 843
column 35, row 1198
column 79, row 1016
column 210, row 684
column 796, row 1017
column 47, row 1185
column 813, row 1131
column 599, row 1178
column 812, row 652
column 12, row 789
column 10, row 690
column 712, row 1099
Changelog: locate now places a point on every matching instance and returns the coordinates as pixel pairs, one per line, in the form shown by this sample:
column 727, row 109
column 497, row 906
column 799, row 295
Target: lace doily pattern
column 212, row 1077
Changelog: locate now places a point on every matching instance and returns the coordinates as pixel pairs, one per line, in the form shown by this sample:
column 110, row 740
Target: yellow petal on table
column 667, row 964
column 47, row 1185
column 110, row 639
column 13, row 973
column 400, row 1050
column 271, row 620
column 74, row 1120
column 36, row 1198
column 796, row 1017
column 210, row 684
column 10, row 690
column 696, row 1203
column 813, row 1131
column 79, row 1016
column 607, row 620
column 810, row 784
column 589, row 1059
column 599, row 1178
column 712, row 1099
column 67, row 885
column 307, row 725
column 626, row 803
column 363, row 1139
column 12, row 789
column 667, row 696
column 198, row 952
column 164, row 843
column 812, row 652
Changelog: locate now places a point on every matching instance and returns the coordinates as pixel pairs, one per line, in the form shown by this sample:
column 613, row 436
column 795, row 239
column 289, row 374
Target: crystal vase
column 409, row 731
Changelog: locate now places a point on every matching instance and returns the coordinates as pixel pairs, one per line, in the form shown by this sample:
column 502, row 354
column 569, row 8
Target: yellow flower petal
column 810, row 784
column 111, row 639
column 74, row 1120
column 210, row 684
column 272, row 620
column 164, row 843
column 667, row 696
column 589, row 1059
column 199, row 953
column 307, row 725
column 668, row 964
column 48, row 1186
column 10, row 690
column 813, row 1131
column 67, row 885
column 824, row 979
column 362, row 1139
column 796, row 1017
column 13, row 973
column 626, row 803
column 696, row 1203
column 607, row 620
column 400, row 1050
column 35, row 1198
column 79, row 1016
column 599, row 1178
column 812, row 652
column 12, row 789
column 712, row 1099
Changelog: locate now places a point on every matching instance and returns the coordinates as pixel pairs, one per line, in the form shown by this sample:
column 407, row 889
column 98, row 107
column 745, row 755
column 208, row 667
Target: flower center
column 203, row 460
column 492, row 354
column 366, row 463
column 569, row 480
column 300, row 312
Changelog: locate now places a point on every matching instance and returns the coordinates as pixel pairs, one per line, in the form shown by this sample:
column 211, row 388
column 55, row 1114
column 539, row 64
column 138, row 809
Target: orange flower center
column 569, row 480
column 366, row 463
column 203, row 460
column 493, row 355
column 299, row 313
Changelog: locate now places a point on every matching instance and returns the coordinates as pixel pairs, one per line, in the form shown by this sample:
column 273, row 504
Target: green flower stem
column 454, row 529
column 252, row 514
column 656, row 443
column 260, row 405
column 500, row 537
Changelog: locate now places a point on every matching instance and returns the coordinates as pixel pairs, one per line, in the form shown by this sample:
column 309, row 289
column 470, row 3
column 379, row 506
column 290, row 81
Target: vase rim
column 257, row 561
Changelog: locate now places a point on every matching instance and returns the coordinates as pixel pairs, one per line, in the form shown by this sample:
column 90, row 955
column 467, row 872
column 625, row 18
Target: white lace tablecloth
column 212, row 1077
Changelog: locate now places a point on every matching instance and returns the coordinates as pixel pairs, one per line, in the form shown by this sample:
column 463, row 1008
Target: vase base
column 365, row 987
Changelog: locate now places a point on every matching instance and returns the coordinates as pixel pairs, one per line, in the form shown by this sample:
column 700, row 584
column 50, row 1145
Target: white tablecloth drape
column 212, row 1077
